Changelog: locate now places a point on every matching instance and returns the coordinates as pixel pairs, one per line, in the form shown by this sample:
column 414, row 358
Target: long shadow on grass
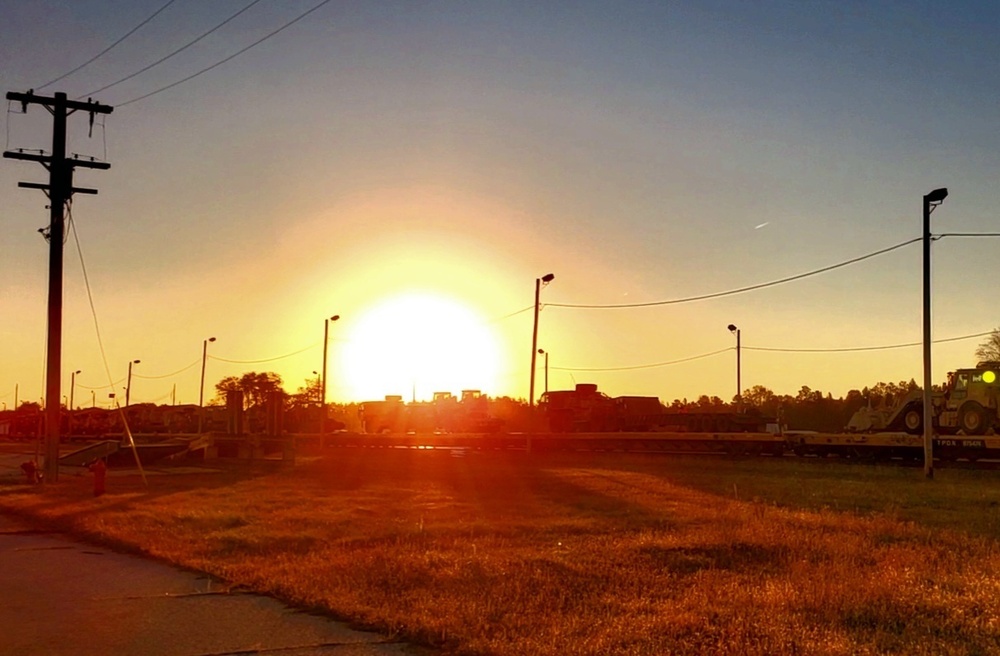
column 496, row 492
column 965, row 502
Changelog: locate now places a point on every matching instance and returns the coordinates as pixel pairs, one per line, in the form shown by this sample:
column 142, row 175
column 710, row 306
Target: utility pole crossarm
column 88, row 163
column 31, row 157
column 45, row 160
column 89, row 106
column 45, row 188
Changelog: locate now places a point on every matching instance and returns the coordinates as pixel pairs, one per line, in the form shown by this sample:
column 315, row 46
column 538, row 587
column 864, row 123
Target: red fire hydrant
column 100, row 476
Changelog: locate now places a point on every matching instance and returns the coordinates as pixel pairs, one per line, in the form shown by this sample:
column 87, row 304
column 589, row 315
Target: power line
column 967, row 234
column 100, row 342
column 767, row 349
column 156, row 400
column 512, row 314
column 229, row 58
column 645, row 366
column 90, row 298
column 863, row 348
column 179, row 371
column 106, row 50
column 175, row 52
column 280, row 357
column 741, row 289
column 100, row 387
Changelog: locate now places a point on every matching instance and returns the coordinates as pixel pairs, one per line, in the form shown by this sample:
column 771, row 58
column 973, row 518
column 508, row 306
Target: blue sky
column 639, row 151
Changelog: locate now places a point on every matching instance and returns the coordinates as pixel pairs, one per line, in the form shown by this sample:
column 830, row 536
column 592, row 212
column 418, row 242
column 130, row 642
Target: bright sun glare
column 419, row 343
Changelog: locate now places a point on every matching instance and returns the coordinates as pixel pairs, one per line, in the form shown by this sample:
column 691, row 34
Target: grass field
column 506, row 554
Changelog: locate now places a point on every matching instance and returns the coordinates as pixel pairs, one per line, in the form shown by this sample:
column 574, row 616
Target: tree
column 310, row 393
column 807, row 395
column 706, row 402
column 255, row 387
column 759, row 396
column 989, row 350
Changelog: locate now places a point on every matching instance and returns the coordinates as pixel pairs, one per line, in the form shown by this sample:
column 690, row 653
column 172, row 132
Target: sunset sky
column 414, row 166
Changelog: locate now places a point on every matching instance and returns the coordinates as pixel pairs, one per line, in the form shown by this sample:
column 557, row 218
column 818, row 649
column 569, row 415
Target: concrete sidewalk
column 61, row 596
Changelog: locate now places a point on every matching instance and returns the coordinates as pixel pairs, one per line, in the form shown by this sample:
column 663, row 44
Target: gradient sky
column 640, row 151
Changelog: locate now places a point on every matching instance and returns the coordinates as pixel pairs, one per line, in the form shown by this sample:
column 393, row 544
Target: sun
column 415, row 344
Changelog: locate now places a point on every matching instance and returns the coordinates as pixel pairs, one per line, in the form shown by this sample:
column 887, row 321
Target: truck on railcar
column 586, row 410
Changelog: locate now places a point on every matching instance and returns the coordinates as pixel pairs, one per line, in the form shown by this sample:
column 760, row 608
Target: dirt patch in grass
column 493, row 553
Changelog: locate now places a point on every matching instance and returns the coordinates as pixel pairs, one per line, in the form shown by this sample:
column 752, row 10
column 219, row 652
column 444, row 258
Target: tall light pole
column 72, row 388
column 931, row 201
column 201, row 389
column 739, row 387
column 326, row 339
column 544, row 280
column 128, row 389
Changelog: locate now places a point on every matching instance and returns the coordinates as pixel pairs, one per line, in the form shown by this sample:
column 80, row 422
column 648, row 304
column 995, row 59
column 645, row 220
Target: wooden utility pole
column 931, row 201
column 60, row 191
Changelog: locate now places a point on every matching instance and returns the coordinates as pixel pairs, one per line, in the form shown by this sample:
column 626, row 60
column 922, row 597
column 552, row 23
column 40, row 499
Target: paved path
column 61, row 596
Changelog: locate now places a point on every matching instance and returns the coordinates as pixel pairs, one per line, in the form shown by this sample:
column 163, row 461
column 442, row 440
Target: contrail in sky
column 761, row 225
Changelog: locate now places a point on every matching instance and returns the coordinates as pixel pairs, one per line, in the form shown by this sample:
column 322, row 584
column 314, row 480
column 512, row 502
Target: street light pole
column 201, row 389
column 128, row 388
column 546, row 279
column 546, row 354
column 931, row 201
column 739, row 385
column 72, row 388
column 326, row 339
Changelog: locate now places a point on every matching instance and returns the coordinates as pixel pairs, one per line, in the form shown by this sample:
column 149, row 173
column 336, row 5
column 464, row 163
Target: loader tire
column 913, row 419
column 972, row 419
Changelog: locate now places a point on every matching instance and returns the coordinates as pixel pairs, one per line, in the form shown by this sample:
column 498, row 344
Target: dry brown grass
column 613, row 554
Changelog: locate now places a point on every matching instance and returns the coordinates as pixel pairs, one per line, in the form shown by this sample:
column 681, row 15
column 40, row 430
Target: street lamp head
column 548, row 277
column 732, row 328
column 937, row 196
column 211, row 339
column 136, row 361
column 77, row 371
column 334, row 317
column 541, row 351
